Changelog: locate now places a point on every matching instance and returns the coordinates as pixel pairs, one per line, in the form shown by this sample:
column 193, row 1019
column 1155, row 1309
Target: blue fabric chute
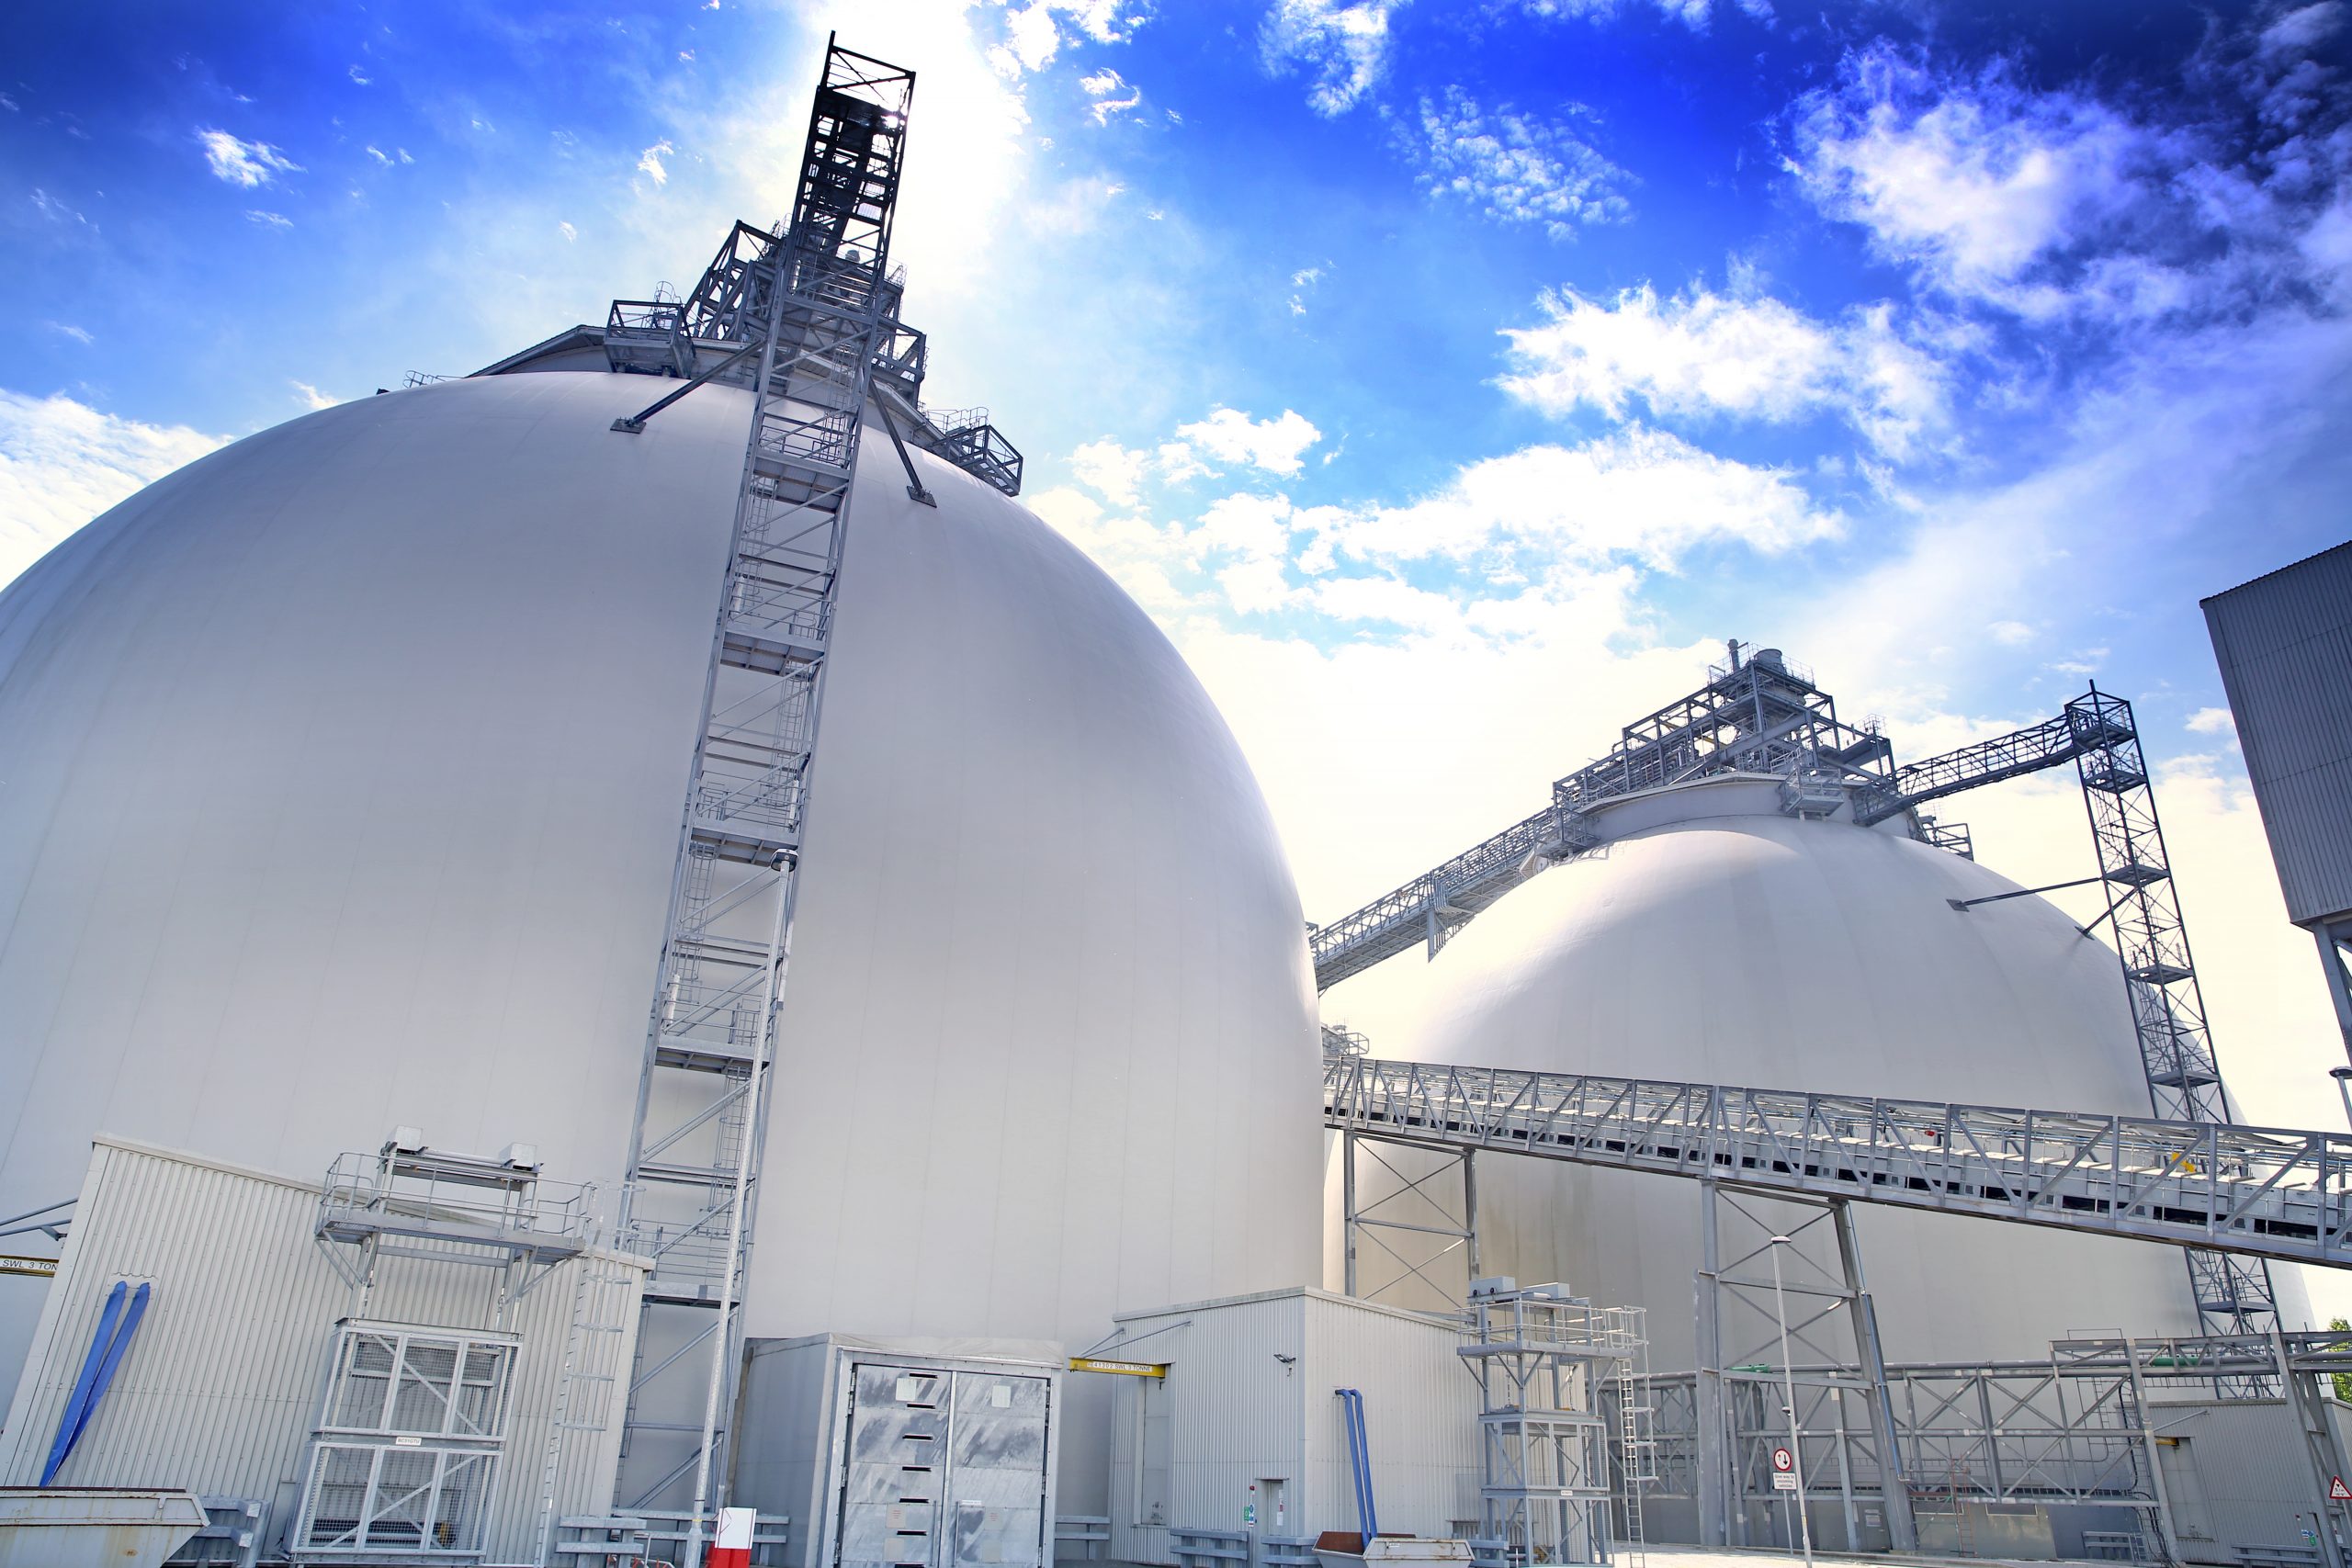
column 1359, row 1459
column 117, row 1324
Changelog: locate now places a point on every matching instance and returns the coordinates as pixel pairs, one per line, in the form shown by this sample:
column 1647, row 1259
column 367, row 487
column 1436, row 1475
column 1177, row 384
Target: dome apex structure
column 349, row 766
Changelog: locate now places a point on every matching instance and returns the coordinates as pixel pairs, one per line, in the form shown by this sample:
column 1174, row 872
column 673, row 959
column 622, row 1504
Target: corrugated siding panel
column 2284, row 643
column 1234, row 1408
column 1238, row 1413
column 2253, row 1475
column 220, row 1389
column 1421, row 1415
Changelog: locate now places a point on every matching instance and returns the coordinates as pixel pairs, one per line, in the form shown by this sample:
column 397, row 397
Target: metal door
column 998, row 1472
column 943, row 1468
column 895, row 1469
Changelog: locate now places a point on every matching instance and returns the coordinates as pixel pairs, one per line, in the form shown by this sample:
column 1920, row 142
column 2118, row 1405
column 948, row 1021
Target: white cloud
column 358, row 76
column 2212, row 721
column 1104, row 87
column 67, row 329
column 1033, row 36
column 1228, row 435
column 2010, row 633
column 56, row 211
column 310, row 398
column 2303, row 29
column 62, row 462
column 1342, row 50
column 1639, row 495
column 2056, row 203
column 269, row 220
column 1973, row 180
column 570, row 234
column 1703, row 353
column 248, row 164
column 1110, row 469
column 649, row 163
column 1515, row 168
column 1691, row 14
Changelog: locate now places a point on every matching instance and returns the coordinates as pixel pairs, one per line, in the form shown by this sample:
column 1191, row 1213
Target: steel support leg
column 2331, row 938
column 1348, row 1210
column 2319, row 1442
column 2167, row 1542
column 1902, row 1530
column 1470, row 1210
column 1710, row 1462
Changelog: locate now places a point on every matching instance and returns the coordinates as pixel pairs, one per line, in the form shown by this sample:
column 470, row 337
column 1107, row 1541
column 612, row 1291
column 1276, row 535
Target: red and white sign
column 2337, row 1491
column 1783, row 1461
column 731, row 1547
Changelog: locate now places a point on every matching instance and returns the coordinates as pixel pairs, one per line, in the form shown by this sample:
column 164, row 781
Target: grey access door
column 943, row 1468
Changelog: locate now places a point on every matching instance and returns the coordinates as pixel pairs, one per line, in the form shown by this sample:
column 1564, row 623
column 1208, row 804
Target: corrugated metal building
column 2238, row 1477
column 2284, row 642
column 1244, row 1431
column 222, row 1385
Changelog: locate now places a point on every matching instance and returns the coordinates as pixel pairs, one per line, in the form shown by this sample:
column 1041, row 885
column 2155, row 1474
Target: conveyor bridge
column 2260, row 1193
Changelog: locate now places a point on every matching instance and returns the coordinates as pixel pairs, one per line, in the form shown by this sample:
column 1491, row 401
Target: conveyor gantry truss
column 2258, row 1192
column 806, row 317
column 1761, row 715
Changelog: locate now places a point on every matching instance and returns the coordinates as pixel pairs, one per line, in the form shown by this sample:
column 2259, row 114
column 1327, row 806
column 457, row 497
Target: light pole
column 1789, row 1386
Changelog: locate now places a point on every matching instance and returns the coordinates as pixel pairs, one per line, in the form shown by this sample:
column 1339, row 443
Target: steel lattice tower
column 2233, row 1295
column 809, row 306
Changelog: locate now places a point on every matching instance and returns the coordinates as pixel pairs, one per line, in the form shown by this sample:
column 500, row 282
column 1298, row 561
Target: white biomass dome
column 1755, row 949
column 342, row 786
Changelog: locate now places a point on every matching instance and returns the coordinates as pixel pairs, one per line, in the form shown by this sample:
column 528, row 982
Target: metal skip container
column 94, row 1527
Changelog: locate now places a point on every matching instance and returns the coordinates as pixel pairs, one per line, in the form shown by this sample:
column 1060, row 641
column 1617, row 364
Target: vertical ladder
column 807, row 306
column 1637, row 1447
column 2233, row 1295
column 603, row 1307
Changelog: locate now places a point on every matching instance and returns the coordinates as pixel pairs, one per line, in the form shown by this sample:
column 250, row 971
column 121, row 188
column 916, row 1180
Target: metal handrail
column 2262, row 1191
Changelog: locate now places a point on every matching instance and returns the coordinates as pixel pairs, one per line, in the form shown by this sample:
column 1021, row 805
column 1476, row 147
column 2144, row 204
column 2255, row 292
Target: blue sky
column 1448, row 379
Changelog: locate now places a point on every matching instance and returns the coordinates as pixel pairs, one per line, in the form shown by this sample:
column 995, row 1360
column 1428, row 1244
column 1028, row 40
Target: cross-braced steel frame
column 2256, row 1193
column 1422, row 1228
column 1763, row 715
column 2233, row 1295
column 2076, row 1429
column 1755, row 1315
column 803, row 311
column 1541, row 1357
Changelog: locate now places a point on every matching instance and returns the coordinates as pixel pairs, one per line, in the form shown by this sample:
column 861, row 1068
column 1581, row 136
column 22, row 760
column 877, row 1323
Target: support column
column 1894, row 1481
column 1348, row 1209
column 1470, row 1210
column 2331, row 936
column 1709, row 1463
column 2166, row 1541
column 2318, row 1442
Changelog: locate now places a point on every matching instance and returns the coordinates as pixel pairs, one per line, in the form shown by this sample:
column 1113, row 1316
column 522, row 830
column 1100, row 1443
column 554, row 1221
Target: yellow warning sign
column 1124, row 1369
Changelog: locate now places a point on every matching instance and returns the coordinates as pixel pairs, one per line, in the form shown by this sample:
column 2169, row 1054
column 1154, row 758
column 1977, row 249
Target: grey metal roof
column 2284, row 642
